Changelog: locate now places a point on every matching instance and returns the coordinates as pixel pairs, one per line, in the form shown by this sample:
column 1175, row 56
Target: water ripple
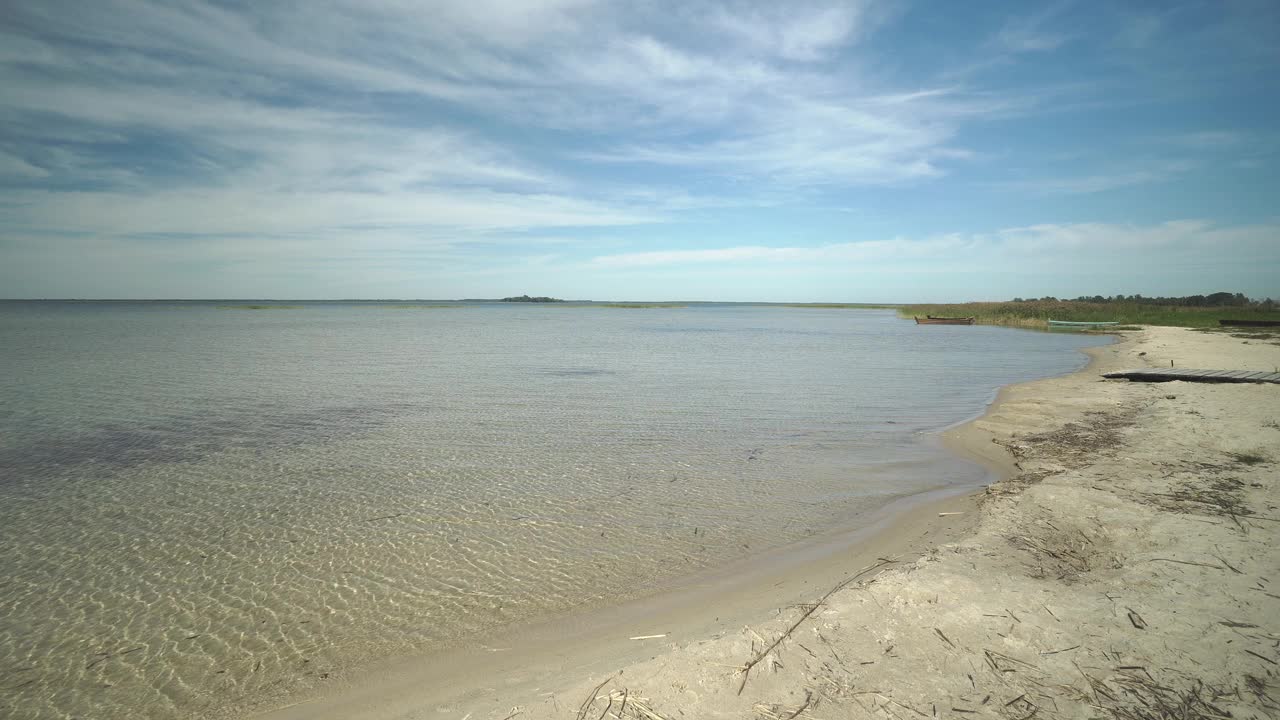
column 201, row 506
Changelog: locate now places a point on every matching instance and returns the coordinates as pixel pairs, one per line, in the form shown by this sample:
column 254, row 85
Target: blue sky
column 802, row 151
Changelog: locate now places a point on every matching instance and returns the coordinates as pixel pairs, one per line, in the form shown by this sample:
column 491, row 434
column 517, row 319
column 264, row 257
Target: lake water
column 200, row 502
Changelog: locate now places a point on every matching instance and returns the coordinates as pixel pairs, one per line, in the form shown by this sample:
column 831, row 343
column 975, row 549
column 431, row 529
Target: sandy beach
column 1124, row 566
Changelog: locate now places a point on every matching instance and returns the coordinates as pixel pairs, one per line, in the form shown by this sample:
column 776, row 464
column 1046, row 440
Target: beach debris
column 1055, row 652
column 1136, row 619
column 1001, row 663
column 746, row 669
column 628, row 705
column 586, row 704
column 1134, row 694
column 1189, row 562
column 944, row 637
column 1262, row 657
column 949, row 514
column 647, row 637
column 777, row 712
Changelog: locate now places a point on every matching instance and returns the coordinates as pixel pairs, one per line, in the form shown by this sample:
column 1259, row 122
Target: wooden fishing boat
column 1082, row 323
column 936, row 320
column 1249, row 323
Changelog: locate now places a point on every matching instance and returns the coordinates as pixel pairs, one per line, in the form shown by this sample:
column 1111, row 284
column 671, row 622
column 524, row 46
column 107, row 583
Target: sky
column 854, row 151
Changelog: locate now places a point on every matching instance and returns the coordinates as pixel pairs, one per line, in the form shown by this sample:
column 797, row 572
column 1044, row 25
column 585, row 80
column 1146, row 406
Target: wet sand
column 528, row 659
column 1123, row 564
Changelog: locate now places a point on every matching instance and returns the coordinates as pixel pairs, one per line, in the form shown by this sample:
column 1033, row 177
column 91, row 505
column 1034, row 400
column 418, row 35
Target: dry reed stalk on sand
column 628, row 706
column 746, row 669
column 775, row 712
column 586, row 704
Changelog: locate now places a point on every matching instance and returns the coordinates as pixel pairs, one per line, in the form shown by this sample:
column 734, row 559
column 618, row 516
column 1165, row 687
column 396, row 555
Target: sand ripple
column 198, row 506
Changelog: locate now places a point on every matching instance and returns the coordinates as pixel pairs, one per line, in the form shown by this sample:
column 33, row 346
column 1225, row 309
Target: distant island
column 526, row 298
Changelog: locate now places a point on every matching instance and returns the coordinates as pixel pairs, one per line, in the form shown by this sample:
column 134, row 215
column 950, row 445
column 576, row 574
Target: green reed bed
column 1037, row 313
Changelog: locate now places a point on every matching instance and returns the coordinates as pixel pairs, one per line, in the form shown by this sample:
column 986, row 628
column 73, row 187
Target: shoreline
column 971, row 440
column 524, row 659
column 1123, row 570
column 1121, row 565
column 905, row 527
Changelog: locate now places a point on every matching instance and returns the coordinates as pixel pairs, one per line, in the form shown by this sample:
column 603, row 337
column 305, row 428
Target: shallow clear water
column 198, row 503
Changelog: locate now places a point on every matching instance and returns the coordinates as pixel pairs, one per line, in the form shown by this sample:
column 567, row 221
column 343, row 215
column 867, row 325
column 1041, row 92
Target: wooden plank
column 1196, row 375
column 1215, row 373
column 1243, row 376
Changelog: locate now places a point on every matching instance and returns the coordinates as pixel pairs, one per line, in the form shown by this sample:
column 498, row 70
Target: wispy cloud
column 1036, row 31
column 264, row 136
column 796, row 31
column 1096, row 182
column 732, row 104
column 1206, row 139
column 1099, row 244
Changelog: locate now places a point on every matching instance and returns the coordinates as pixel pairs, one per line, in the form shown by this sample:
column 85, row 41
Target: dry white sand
column 1128, row 566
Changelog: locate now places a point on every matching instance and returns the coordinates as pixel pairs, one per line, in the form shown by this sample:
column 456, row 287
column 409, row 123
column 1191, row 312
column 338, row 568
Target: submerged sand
column 1126, row 566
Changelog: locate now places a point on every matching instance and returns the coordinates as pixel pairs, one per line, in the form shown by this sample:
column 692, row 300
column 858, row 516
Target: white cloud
column 1098, row 245
column 644, row 81
column 266, row 214
column 799, row 140
column 793, row 31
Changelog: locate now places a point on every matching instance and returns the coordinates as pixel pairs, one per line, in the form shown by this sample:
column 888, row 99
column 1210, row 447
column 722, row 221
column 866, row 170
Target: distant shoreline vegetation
column 527, row 299
column 416, row 307
column 640, row 306
column 1187, row 311
column 259, row 307
column 842, row 306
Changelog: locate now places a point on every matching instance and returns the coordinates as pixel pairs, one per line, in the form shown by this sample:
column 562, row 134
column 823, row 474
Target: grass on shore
column 1036, row 313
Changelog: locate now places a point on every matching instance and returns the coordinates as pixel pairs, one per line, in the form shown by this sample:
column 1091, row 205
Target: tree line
column 1218, row 299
